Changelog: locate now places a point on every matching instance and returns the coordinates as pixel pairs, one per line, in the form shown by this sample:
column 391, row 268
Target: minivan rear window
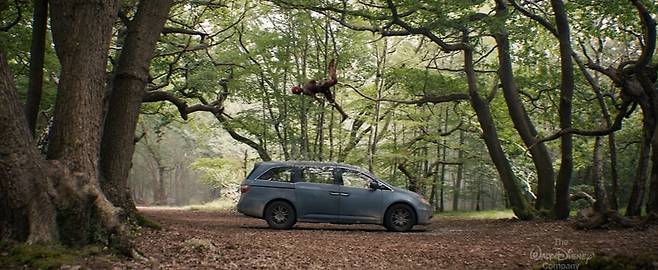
column 280, row 174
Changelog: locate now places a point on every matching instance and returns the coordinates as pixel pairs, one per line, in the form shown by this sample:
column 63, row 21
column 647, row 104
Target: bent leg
column 340, row 110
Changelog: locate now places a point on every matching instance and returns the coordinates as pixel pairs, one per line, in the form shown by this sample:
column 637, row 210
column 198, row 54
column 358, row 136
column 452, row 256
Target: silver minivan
column 286, row 192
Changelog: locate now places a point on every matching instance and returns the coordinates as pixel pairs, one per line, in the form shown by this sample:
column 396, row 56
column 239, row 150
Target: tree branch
column 176, row 30
column 216, row 108
column 591, row 133
column 535, row 17
column 649, row 27
column 394, row 19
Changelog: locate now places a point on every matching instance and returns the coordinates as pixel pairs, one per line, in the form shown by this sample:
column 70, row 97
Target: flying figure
column 312, row 87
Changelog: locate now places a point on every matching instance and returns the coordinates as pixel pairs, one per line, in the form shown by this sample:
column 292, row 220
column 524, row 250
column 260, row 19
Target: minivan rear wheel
column 280, row 215
column 399, row 218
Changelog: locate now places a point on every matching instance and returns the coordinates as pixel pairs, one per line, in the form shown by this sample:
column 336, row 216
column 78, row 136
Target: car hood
column 408, row 192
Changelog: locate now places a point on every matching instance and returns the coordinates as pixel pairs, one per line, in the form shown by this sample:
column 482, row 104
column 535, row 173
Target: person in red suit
column 312, row 87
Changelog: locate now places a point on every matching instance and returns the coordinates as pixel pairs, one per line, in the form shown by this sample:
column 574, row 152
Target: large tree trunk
column 522, row 123
column 562, row 199
column 67, row 189
column 634, row 207
column 644, row 76
column 26, row 210
column 129, row 82
column 518, row 202
column 37, row 52
column 81, row 34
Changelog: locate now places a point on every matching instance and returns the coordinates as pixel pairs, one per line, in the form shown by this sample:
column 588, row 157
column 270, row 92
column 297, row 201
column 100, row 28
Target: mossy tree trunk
column 59, row 200
column 27, row 212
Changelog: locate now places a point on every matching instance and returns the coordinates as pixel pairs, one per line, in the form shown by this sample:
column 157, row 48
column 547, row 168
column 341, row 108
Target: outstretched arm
column 333, row 79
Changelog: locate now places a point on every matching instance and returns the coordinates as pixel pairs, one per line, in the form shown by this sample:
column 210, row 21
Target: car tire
column 280, row 215
column 399, row 218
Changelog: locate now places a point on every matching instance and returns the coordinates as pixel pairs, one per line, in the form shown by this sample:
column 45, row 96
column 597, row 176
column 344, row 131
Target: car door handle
column 344, row 194
column 334, row 193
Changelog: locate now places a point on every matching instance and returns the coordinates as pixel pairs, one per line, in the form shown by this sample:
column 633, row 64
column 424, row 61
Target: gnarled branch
column 591, row 133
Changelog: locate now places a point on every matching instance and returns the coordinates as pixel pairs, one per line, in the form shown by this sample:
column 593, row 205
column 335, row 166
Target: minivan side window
column 280, row 174
column 355, row 179
column 324, row 175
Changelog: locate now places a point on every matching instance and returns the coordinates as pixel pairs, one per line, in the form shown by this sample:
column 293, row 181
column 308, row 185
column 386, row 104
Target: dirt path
column 212, row 240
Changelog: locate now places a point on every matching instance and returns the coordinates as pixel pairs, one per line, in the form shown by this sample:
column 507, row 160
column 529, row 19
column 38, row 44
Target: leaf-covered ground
column 226, row 240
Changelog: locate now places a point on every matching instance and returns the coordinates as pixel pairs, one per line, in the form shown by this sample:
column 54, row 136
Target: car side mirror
column 374, row 185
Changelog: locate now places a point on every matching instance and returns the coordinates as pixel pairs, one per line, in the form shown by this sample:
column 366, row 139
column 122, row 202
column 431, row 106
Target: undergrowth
column 43, row 256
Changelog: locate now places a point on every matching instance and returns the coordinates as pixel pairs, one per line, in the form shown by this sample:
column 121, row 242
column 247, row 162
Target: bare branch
column 158, row 95
column 216, row 108
column 591, row 133
column 462, row 70
column 535, row 17
column 177, row 30
column 610, row 72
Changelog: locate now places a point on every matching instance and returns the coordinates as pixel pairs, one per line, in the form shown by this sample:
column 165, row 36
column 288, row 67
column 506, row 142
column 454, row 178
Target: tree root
column 589, row 219
column 119, row 234
column 79, row 198
column 141, row 220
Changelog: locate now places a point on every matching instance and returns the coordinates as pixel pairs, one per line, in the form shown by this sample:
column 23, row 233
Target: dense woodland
column 474, row 104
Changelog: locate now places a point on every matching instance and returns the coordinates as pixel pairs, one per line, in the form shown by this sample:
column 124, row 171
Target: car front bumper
column 424, row 215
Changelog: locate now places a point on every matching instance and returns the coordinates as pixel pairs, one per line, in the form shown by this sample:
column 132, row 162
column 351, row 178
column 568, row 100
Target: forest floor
column 228, row 240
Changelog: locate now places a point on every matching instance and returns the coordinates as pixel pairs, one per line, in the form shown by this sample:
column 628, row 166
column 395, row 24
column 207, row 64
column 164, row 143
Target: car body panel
column 358, row 205
column 317, row 202
column 263, row 192
column 333, row 203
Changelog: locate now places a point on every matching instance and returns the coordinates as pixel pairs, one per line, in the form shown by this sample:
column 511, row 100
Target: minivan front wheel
column 399, row 218
column 280, row 215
